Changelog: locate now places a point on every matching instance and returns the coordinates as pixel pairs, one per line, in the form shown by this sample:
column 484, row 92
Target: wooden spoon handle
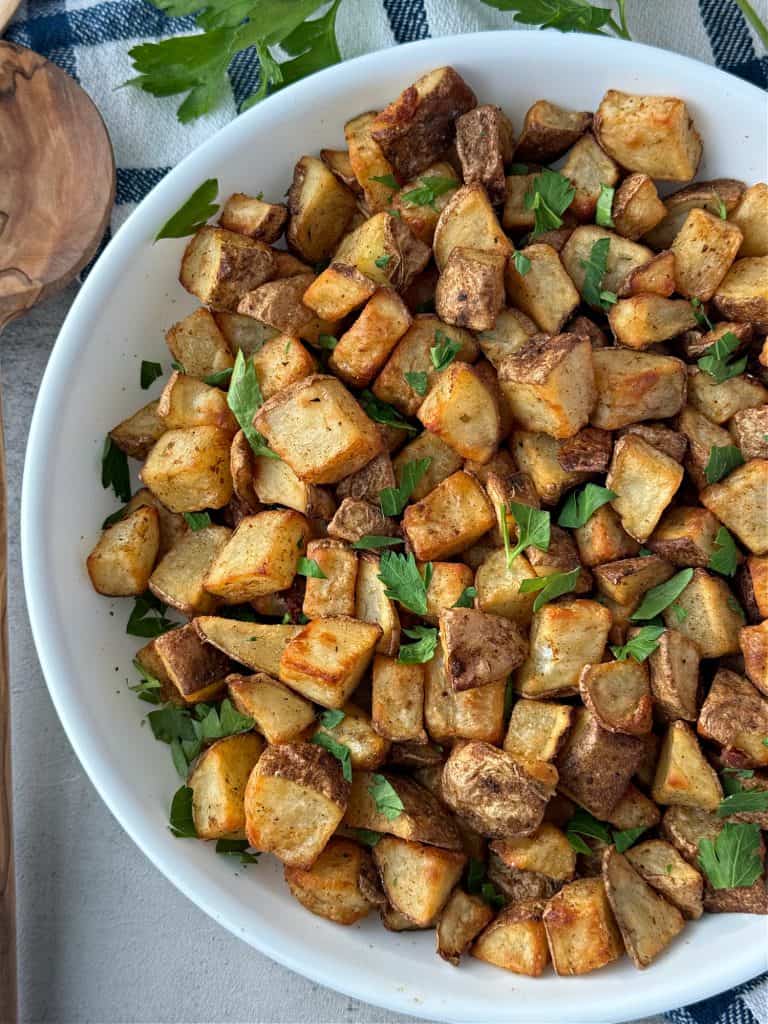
column 7, row 900
column 7, row 11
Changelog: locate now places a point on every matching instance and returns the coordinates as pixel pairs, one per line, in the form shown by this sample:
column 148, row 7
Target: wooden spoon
column 57, row 186
column 7, row 10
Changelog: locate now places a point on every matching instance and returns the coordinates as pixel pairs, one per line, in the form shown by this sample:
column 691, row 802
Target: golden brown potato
column 735, row 715
column 122, row 561
column 633, row 386
column 588, row 451
column 179, row 577
column 218, row 782
column 704, row 248
column 547, row 851
column 470, row 290
column 367, row 163
column 280, row 715
column 548, row 131
column 683, row 775
column 330, row 887
column 498, row 587
column 516, row 217
column 384, row 249
column 448, row 583
column 644, row 480
column 662, row 867
column 248, row 215
column 749, row 428
column 650, row 134
column 515, row 940
column 193, row 670
column 281, row 361
column 740, row 502
column 656, row 277
column 751, row 217
column 337, row 291
column 366, row 747
column 356, row 519
column 603, row 539
column 364, row 349
column 279, row 304
column 462, row 410
column 674, row 668
column 397, row 702
column 188, row 402
column 706, row 613
column 646, row 319
column 327, row 658
column 634, row 809
column 623, row 257
column 704, row 195
column 588, row 167
column 172, row 526
column 253, row 644
column 743, row 293
column 422, row 220
column 484, row 143
column 510, row 333
column 417, row 879
column 718, row 402
column 545, row 293
column 451, row 518
column 754, row 647
column 335, row 593
column 685, row 826
column 580, row 927
column 479, row 648
column 564, row 638
column 339, row 163
column 685, row 536
column 637, row 207
column 461, row 920
column 423, row 818
column 275, row 483
column 468, row 220
column 626, row 580
column 754, row 585
column 188, row 470
column 537, row 728
column 619, row 696
column 320, row 208
column 373, row 605
column 137, row 434
column 243, row 331
column 219, row 267
column 294, row 800
column 198, row 344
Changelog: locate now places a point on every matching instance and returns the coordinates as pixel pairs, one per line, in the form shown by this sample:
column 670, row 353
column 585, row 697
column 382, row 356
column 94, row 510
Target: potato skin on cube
column 479, row 648
column 548, row 131
column 484, row 143
column 580, row 927
column 194, row 670
column 735, row 715
column 320, row 208
column 247, row 215
column 122, row 561
column 424, row 819
column 468, row 220
column 189, row 469
column 218, row 782
column 470, row 290
column 619, row 695
column 330, row 887
column 220, row 266
column 327, row 658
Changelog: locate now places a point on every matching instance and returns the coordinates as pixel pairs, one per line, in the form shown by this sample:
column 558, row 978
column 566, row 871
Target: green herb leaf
column 149, row 373
column 722, row 209
column 114, row 517
column 394, row 499
column 383, row 412
column 444, row 351
column 746, row 801
column 428, row 191
column 715, row 360
column 170, row 723
column 387, row 179
column 595, row 267
column 148, row 617
column 327, row 341
column 550, row 196
column 723, row 459
column 403, row 581
column 114, row 470
column 533, row 529
column 309, row 567
column 581, row 505
column 725, row 556
column 367, row 836
column 330, row 719
column 383, row 261
column 564, row 15
column 386, row 799
column 603, row 215
column 492, row 896
column 418, row 380
column 732, row 860
column 466, row 598
column 627, row 837
column 244, row 398
column 641, row 646
column 423, row 650
column 197, row 520
column 237, row 848
column 582, row 823
column 371, row 541
column 149, row 687
column 176, row 365
column 658, row 598
column 550, row 587
column 340, row 751
column 190, row 217
column 701, row 317
column 179, row 759
column 219, row 378
column 522, row 263
column 180, row 821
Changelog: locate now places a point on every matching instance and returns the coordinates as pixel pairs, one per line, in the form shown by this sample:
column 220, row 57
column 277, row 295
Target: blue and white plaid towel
column 90, row 39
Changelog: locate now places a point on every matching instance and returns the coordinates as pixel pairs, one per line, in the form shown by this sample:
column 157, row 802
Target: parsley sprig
column 725, row 555
column 533, row 529
column 549, row 198
column 423, row 650
column 384, row 413
column 550, row 587
column 403, row 581
column 147, row 619
column 568, row 15
column 444, row 351
column 114, row 470
column 385, row 797
column 430, row 188
column 640, row 646
column 723, row 459
column 662, row 596
column 394, row 499
column 595, row 267
column 732, row 860
column 716, row 360
column 244, row 398
column 581, row 505
column 192, row 214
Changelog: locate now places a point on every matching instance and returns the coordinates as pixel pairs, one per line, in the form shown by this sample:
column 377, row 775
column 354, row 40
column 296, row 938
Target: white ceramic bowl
column 92, row 381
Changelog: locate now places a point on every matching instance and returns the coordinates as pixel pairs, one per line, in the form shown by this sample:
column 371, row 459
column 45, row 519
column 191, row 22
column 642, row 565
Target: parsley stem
column 621, row 30
column 754, row 20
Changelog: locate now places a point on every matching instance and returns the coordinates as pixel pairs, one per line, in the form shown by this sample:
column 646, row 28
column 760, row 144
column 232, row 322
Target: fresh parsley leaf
column 237, row 848
column 418, row 380
column 466, row 598
column 735, row 607
column 723, row 459
column 731, row 777
column 387, row 179
column 309, row 567
column 383, row 412
column 383, row 261
column 231, row 721
column 581, row 505
column 197, row 520
column 149, row 686
column 732, row 860
column 330, row 719
column 385, row 797
column 176, row 365
column 475, row 875
column 444, row 351
column 725, row 556
column 394, row 499
column 180, row 820
column 244, row 398
column 114, row 470
column 550, row 196
column 699, row 313
column 179, row 759
column 490, row 895
column 577, row 843
column 149, row 373
column 428, row 191
column 423, row 650
column 582, row 823
column 170, row 723
column 550, row 587
column 722, row 209
column 641, row 646
column 603, row 215
column 595, row 267
column 565, row 15
column 522, row 263
column 403, row 581
column 746, row 801
column 327, row 341
column 219, row 378
column 340, row 751
column 148, row 617
column 627, row 837
column 658, row 598
column 114, row 517
column 371, row 541
column 367, row 836
column 715, row 361
column 190, row 217
column 533, row 529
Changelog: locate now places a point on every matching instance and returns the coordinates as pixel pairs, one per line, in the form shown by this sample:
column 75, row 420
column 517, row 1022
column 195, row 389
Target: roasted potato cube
column 685, row 826
column 172, row 526
column 198, row 344
column 320, row 207
column 449, row 519
column 674, row 668
column 537, row 729
column 417, row 879
column 188, row 469
column 247, row 215
column 356, row 519
column 657, row 277
column 662, row 867
column 754, row 647
column 580, row 927
column 280, row 305
column 220, row 266
column 634, row 810
column 619, row 696
column 218, row 783
column 367, row 162
column 463, row 411
column 137, row 434
column 243, row 332
column 476, row 714
column 510, row 333
column 122, row 562
column 706, row 613
column 637, row 207
column 254, row 644
column 650, row 134
column 516, row 217
column 397, row 702
column 685, row 536
column 752, row 579
column 479, row 648
column 627, row 580
column 416, row 128
column 275, row 483
column 718, row 402
column 462, row 918
column 339, row 290
column 740, row 502
column 281, row 361
column 735, row 715
column 497, row 794
column 683, row 775
column 644, row 320
column 384, row 250
column 549, row 384
column 564, row 638
column 367, row 483
column 188, row 402
column 335, row 594
column 373, row 605
column 704, row 248
column 484, row 143
column 449, row 581
column 294, row 800
column 470, row 290
column 743, row 293
column 671, row 442
column 355, row 732
column 515, row 940
column 280, row 715
column 623, row 256
column 547, row 852
column 330, row 887
column 193, row 670
column 422, row 220
column 751, row 218
column 704, row 195
column 327, row 658
column 695, row 343
column 588, row 451
column 498, row 587
column 752, row 899
column 179, row 577
column 702, row 435
column 319, row 429
column 644, row 480
column 588, row 168
column 548, row 131
column 603, row 539
column 545, row 293
column 363, row 350
column 468, row 221
column 749, row 428
column 423, row 818
column 634, row 386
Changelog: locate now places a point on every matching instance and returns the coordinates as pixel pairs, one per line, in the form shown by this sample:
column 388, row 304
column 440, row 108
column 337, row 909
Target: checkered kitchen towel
column 90, row 39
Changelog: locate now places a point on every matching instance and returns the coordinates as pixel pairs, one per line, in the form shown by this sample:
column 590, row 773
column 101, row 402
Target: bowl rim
column 153, row 210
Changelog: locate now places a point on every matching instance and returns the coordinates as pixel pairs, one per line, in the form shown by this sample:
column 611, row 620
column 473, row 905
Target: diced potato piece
column 367, row 162
column 704, row 248
column 423, row 818
column 547, row 852
column 188, row 470
column 470, row 291
column 172, row 526
column 462, row 410
column 178, row 579
column 702, row 436
column 627, row 580
column 549, row 384
column 743, row 293
column 253, row 644
column 422, row 220
column 449, row 581
column 637, row 207
column 645, row 320
column 476, row 714
column 548, row 131
column 754, row 646
column 219, row 267
column 498, row 587
column 275, row 483
column 718, row 402
column 397, row 702
column 685, row 536
column 137, row 434
column 197, row 343
column 740, row 502
column 623, row 257
column 357, row 519
column 279, row 713
column 218, row 785
column 462, row 918
column 646, row 921
column 449, row 519
column 683, row 775
column 703, row 195
column 662, row 867
column 373, row 605
column 121, row 563
column 603, row 539
column 320, row 207
column 674, row 668
column 384, row 250
column 515, row 940
column 644, row 480
column 327, row 658
column 707, row 614
column 537, row 729
column 417, row 879
column 564, row 638
column 365, row 347
column 294, row 800
column 633, row 386
column 671, row 442
column 334, row 595
column 484, row 143
column 650, row 134
column 588, row 167
column 279, row 305
column 618, row 695
column 247, row 215
column 580, row 927
column 516, row 217
column 634, row 809
column 685, row 826
column 319, row 429
column 281, row 361
column 367, row 748
column 657, row 276
column 735, row 715
column 188, row 402
column 367, row 483
column 337, row 291
column 510, row 333
column 545, row 293
column 754, row 587
column 751, row 218
column 468, row 221
column 749, row 428
column 193, row 670
column 330, row 887
column 479, row 648
column 243, row 332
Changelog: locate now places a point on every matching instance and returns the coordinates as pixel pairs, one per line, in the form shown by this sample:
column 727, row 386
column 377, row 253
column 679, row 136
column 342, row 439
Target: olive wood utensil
column 7, row 10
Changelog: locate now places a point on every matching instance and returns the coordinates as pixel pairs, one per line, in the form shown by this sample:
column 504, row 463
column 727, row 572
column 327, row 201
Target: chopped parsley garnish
column 180, row 820
column 603, row 215
column 147, row 618
column 394, row 499
column 340, row 751
column 383, row 412
column 716, row 360
column 444, row 351
column 550, row 196
column 723, row 459
column 219, row 378
column 658, row 598
column 581, row 505
column 327, row 341
column 403, row 582
column 385, row 797
column 372, row 541
column 423, row 650
column 309, row 567
column 466, row 598
column 418, row 380
column 197, row 520
column 725, row 555
column 244, row 398
column 733, row 859
column 114, row 470
column 595, row 267
column 193, row 214
column 533, row 529
column 149, row 373
column 550, row 587
column 431, row 187
column 383, row 261
column 521, row 262
column 640, row 646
